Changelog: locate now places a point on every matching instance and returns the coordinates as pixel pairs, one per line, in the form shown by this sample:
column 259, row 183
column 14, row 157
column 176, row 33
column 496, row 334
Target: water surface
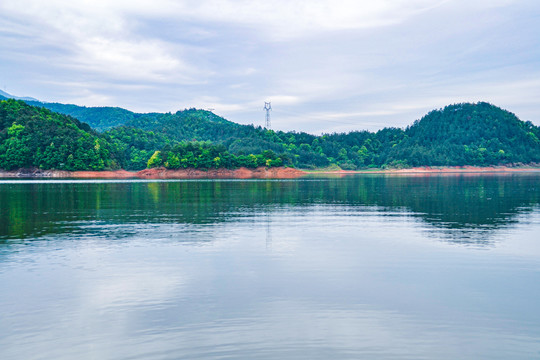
column 370, row 266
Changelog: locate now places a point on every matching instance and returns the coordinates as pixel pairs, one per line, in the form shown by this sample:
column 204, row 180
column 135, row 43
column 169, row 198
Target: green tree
column 155, row 160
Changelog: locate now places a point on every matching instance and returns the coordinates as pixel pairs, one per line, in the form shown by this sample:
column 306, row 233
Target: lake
column 362, row 266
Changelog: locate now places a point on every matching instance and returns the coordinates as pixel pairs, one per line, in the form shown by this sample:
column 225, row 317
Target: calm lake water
column 359, row 267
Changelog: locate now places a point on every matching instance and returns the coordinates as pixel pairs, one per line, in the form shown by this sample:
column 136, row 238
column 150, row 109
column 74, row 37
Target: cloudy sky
column 325, row 65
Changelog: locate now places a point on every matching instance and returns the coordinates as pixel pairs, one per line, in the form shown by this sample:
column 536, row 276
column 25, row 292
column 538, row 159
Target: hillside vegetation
column 33, row 136
column 36, row 137
column 468, row 134
column 99, row 118
column 463, row 134
column 478, row 134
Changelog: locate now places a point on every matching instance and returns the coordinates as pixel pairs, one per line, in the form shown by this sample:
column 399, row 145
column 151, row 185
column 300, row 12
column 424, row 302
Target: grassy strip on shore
column 430, row 170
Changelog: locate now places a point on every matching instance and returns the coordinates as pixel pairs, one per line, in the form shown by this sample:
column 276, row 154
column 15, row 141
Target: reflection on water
column 461, row 209
column 348, row 268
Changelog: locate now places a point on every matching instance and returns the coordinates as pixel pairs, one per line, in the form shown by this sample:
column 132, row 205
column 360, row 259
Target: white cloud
column 277, row 19
column 100, row 40
column 285, row 19
column 284, row 99
column 325, row 65
column 144, row 60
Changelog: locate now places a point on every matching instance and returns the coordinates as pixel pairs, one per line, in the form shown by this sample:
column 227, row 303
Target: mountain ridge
column 4, row 95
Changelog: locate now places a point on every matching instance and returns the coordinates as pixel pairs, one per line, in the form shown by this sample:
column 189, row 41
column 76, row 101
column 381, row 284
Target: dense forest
column 206, row 155
column 36, row 137
column 462, row 134
column 99, row 118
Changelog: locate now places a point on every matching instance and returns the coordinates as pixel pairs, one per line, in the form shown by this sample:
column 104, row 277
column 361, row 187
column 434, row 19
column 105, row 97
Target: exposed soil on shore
column 258, row 173
column 161, row 173
column 241, row 173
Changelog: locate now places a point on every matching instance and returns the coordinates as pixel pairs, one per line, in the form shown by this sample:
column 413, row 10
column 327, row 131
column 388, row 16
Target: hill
column 468, row 134
column 99, row 118
column 4, row 95
column 478, row 134
column 36, row 137
column 298, row 148
column 461, row 134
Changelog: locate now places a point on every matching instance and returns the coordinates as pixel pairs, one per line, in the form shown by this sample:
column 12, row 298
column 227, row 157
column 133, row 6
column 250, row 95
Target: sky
column 325, row 65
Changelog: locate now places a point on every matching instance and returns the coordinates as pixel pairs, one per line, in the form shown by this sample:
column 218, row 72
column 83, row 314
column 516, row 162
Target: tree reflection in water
column 462, row 208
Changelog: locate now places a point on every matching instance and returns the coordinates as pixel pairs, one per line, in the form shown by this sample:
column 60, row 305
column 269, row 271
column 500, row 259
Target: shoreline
column 160, row 173
column 257, row 173
column 434, row 170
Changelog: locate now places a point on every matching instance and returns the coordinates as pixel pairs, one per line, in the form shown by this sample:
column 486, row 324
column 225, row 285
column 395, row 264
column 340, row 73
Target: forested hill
column 106, row 118
column 99, row 118
column 476, row 134
column 36, row 137
column 463, row 134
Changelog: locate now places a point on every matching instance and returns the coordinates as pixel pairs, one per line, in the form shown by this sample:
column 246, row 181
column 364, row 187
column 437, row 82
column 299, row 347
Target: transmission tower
column 267, row 107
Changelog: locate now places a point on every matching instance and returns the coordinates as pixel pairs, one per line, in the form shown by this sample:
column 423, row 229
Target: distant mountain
column 193, row 124
column 105, row 118
column 100, row 118
column 4, row 95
